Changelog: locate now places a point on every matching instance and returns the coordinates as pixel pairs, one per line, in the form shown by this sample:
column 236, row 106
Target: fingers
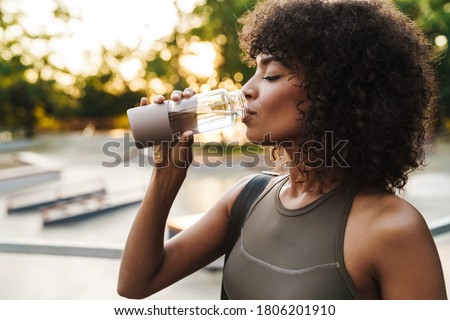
column 175, row 96
column 178, row 94
column 187, row 137
column 177, row 154
column 188, row 92
column 144, row 102
column 182, row 153
column 158, row 99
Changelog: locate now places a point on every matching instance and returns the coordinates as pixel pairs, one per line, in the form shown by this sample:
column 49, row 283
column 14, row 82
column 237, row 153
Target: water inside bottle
column 215, row 116
column 216, row 119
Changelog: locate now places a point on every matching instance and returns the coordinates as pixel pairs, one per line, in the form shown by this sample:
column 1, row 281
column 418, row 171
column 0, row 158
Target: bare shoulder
column 231, row 196
column 392, row 222
column 393, row 216
column 403, row 257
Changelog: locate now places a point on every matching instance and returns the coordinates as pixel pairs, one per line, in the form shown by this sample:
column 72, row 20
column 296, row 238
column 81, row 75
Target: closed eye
column 271, row 78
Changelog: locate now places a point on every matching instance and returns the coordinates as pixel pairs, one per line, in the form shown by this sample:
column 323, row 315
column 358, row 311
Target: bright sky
column 132, row 22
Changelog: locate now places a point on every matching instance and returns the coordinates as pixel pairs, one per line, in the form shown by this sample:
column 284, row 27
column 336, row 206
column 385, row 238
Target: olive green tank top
column 292, row 254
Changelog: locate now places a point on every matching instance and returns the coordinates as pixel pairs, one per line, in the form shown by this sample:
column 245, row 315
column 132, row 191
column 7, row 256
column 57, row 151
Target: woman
column 345, row 88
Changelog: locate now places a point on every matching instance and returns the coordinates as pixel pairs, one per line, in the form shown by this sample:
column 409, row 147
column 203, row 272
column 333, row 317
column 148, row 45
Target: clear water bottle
column 155, row 123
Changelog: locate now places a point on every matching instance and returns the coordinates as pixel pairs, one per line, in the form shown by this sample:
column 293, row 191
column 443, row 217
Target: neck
column 307, row 179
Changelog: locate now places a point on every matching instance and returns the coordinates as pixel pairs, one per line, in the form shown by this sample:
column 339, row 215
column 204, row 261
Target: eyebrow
column 266, row 60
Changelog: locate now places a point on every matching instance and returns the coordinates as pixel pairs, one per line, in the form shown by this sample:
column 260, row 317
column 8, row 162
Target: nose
column 249, row 90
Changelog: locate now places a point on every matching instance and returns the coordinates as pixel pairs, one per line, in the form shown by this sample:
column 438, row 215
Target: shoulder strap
column 239, row 212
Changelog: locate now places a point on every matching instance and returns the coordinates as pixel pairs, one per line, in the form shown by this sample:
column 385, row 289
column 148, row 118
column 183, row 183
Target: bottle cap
column 149, row 125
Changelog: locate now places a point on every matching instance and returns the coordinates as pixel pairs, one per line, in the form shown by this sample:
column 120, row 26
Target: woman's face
column 273, row 96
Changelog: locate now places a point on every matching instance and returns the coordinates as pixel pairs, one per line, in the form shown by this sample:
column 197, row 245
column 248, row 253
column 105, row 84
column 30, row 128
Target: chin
column 257, row 136
column 262, row 141
column 255, row 139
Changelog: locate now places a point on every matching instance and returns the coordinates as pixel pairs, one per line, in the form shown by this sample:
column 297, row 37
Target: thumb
column 183, row 151
column 187, row 138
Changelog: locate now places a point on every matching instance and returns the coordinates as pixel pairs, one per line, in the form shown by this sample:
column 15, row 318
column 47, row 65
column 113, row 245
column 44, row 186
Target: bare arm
column 406, row 259
column 149, row 264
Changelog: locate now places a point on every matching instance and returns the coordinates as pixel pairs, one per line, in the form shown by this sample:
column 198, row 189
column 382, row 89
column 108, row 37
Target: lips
column 248, row 115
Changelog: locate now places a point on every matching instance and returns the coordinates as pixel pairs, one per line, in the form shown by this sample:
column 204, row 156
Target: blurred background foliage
column 202, row 52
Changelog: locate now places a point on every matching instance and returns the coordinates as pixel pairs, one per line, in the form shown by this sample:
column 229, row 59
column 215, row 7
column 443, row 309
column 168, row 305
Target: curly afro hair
column 369, row 79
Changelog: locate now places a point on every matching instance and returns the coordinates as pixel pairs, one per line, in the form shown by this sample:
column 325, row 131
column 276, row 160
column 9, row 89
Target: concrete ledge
column 440, row 226
column 25, row 169
column 60, row 249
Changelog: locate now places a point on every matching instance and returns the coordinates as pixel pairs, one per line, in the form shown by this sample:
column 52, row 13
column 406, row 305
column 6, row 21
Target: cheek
column 285, row 124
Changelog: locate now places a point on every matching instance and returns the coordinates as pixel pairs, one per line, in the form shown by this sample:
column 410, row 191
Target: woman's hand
column 177, row 154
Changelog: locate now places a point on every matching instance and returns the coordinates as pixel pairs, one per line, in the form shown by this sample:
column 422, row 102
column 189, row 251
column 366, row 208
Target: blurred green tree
column 28, row 86
column 106, row 93
column 201, row 53
column 434, row 17
column 221, row 27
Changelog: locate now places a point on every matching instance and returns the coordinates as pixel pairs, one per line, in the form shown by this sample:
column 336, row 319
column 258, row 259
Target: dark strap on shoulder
column 239, row 212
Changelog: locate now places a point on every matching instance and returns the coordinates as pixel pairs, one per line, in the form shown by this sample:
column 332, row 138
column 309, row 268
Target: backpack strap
column 239, row 212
